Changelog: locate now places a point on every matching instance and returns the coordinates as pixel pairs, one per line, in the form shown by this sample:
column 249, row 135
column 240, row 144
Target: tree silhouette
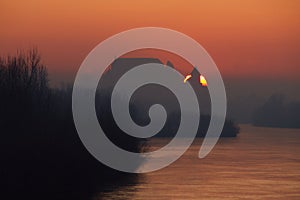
column 40, row 150
column 275, row 112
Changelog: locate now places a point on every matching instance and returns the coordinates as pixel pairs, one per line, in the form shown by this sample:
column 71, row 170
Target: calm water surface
column 261, row 163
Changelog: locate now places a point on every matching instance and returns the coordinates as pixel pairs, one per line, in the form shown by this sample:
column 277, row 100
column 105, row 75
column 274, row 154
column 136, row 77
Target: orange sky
column 245, row 38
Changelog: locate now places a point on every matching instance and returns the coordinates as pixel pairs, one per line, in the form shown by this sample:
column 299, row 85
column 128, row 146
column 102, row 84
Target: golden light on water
column 187, row 78
column 203, row 81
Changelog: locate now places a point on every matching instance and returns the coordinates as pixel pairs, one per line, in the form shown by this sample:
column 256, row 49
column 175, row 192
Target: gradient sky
column 245, row 38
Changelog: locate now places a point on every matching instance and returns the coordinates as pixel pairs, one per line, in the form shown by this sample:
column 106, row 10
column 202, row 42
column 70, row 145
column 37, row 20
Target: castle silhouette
column 148, row 95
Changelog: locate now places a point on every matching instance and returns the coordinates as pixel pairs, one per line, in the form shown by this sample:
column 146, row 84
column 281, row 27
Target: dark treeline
column 41, row 154
column 276, row 112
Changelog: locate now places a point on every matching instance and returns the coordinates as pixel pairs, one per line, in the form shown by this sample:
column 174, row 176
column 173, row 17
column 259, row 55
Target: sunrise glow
column 203, row 81
column 187, row 78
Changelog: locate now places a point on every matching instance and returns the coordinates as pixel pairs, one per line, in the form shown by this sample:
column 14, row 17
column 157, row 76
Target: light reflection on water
column 261, row 163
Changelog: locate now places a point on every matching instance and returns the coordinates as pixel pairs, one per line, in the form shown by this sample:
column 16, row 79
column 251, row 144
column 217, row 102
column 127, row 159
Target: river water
column 261, row 163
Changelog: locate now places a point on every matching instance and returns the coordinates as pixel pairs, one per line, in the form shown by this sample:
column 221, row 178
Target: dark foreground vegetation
column 276, row 112
column 41, row 154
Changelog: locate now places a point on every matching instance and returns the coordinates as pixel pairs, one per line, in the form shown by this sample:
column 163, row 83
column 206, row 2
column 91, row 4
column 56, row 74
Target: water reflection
column 261, row 163
column 122, row 190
